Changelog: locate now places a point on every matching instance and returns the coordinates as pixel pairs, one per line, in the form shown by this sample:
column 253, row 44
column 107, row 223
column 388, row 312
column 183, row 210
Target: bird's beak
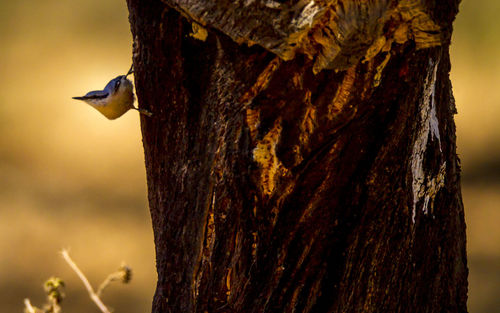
column 79, row 98
column 130, row 71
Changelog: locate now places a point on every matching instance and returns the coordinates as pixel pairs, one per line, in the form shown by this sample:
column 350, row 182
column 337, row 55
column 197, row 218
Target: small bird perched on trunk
column 115, row 99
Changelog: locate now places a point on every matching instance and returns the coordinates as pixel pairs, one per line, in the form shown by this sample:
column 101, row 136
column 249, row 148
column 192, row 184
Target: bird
column 115, row 99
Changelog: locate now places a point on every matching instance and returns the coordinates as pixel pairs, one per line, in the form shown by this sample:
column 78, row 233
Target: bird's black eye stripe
column 96, row 96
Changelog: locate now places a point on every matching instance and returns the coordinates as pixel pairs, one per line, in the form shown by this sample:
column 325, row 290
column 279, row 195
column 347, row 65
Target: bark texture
column 277, row 185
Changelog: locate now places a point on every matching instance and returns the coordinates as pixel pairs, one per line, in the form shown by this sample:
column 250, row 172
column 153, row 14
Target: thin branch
column 111, row 277
column 123, row 274
column 28, row 306
column 56, row 308
column 85, row 281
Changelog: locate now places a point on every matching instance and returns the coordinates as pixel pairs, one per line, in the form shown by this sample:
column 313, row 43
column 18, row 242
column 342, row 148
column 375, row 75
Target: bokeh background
column 69, row 178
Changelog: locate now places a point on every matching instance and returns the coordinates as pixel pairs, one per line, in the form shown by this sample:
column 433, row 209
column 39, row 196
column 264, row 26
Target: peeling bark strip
column 336, row 34
column 265, row 155
column 426, row 187
column 277, row 185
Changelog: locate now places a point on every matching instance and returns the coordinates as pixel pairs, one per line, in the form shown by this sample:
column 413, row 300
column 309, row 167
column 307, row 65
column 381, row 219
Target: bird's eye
column 117, row 85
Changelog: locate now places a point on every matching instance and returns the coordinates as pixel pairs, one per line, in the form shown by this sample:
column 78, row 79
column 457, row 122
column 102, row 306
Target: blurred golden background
column 69, row 178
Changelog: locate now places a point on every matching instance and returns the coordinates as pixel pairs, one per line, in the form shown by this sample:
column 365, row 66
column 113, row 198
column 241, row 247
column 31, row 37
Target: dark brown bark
column 275, row 189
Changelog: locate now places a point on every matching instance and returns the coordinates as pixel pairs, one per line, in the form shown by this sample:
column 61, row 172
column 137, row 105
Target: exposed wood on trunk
column 335, row 33
column 276, row 185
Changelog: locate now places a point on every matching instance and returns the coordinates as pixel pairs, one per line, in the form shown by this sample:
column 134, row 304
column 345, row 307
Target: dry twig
column 93, row 295
column 28, row 307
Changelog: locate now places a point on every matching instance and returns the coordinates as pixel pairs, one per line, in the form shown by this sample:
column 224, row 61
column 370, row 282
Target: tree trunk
column 301, row 157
